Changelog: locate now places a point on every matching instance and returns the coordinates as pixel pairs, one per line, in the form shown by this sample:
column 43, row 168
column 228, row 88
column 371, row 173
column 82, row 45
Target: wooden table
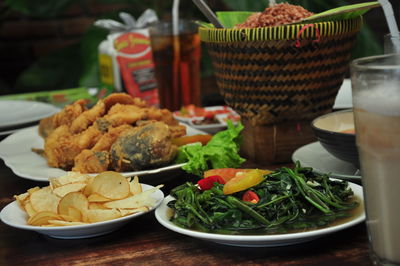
column 145, row 241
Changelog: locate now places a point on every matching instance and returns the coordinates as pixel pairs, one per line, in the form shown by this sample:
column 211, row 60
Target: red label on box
column 132, row 43
column 136, row 66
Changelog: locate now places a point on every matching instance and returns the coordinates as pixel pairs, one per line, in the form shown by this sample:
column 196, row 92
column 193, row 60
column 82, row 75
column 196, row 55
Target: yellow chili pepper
column 244, row 180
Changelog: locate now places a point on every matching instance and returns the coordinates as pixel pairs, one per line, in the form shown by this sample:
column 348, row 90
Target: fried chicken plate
column 119, row 133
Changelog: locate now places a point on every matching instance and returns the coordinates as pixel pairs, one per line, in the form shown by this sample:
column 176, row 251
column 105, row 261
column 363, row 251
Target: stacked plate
column 211, row 119
column 17, row 115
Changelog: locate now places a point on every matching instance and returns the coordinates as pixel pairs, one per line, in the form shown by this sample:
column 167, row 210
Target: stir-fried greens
column 289, row 200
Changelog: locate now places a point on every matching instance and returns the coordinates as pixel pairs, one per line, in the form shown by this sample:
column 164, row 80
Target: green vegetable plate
column 163, row 214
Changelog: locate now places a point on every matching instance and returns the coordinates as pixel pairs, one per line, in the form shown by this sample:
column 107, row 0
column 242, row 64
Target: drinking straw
column 206, row 10
column 391, row 21
column 176, row 54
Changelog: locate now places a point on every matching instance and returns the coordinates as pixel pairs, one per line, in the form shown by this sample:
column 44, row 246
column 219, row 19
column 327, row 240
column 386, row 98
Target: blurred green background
column 76, row 65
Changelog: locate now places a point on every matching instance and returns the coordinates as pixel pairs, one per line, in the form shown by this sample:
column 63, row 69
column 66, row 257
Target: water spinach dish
column 254, row 201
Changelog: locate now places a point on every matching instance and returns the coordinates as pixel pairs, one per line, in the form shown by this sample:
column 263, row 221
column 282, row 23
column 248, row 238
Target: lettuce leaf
column 222, row 151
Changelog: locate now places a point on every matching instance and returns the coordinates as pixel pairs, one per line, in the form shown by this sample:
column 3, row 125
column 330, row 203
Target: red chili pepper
column 209, row 116
column 208, row 182
column 250, row 196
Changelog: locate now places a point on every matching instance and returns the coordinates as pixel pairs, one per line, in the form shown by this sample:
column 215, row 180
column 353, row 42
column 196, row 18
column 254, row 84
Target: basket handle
column 318, row 36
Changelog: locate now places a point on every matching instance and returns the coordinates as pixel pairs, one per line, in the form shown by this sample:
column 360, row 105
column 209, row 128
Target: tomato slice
column 208, row 182
column 244, row 180
column 250, row 196
column 203, row 139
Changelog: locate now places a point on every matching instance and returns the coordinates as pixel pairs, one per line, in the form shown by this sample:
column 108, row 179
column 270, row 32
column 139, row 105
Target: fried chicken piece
column 65, row 117
column 46, row 126
column 89, row 161
column 108, row 139
column 123, row 98
column 61, row 146
column 175, row 131
column 97, row 159
column 84, row 120
column 166, row 116
column 120, row 114
column 118, row 133
column 143, row 147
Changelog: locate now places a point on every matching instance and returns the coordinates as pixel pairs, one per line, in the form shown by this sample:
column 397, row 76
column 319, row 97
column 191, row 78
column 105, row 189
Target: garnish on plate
column 222, row 151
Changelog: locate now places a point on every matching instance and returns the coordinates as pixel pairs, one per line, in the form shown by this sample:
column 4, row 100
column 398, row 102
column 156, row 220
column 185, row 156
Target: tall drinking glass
column 177, row 64
column 376, row 103
column 389, row 44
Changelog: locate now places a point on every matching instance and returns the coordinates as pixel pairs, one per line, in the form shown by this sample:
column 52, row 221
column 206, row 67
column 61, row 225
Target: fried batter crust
column 65, row 117
column 87, row 118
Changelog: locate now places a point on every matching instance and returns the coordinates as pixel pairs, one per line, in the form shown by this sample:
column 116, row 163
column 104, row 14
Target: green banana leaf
column 230, row 18
column 343, row 12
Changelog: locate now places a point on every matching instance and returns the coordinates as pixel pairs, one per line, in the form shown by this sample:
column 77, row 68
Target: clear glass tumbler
column 177, row 63
column 391, row 44
column 376, row 103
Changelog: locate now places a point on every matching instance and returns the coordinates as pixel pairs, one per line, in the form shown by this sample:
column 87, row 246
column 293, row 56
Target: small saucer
column 315, row 156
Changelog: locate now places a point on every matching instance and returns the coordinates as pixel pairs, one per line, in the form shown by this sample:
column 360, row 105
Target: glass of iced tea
column 177, row 64
column 376, row 103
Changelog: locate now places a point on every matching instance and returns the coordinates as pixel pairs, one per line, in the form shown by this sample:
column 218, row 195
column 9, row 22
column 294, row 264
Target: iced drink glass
column 376, row 102
column 177, row 64
column 389, row 42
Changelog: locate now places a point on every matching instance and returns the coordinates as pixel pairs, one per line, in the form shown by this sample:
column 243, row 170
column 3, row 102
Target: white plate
column 163, row 212
column 14, row 113
column 315, row 156
column 8, row 132
column 209, row 128
column 14, row 216
column 184, row 119
column 16, row 152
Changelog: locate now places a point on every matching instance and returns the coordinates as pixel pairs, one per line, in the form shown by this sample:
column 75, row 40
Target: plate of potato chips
column 81, row 206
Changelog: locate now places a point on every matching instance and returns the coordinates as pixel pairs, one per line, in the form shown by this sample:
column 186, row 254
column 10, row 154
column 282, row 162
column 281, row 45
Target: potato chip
column 88, row 189
column 67, row 218
column 135, row 201
column 70, row 177
column 42, row 218
column 93, row 216
column 72, row 199
column 96, row 206
column 135, row 186
column 29, row 209
column 125, row 212
column 44, row 200
column 22, row 198
column 75, row 214
column 64, row 223
column 97, row 198
column 111, row 185
column 63, row 190
column 31, row 190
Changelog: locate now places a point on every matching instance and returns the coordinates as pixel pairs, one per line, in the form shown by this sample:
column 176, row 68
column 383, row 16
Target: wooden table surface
column 145, row 242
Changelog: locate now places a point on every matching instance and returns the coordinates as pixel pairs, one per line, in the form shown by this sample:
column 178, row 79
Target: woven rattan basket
column 285, row 73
